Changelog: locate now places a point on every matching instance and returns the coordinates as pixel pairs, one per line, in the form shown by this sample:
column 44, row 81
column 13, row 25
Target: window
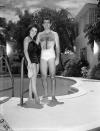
column 83, row 53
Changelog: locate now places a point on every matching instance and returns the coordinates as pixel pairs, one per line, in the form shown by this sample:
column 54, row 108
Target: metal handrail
column 22, row 92
column 11, row 76
column 22, row 82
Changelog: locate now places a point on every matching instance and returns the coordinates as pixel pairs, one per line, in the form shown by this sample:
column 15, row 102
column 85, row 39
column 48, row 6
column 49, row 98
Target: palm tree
column 93, row 31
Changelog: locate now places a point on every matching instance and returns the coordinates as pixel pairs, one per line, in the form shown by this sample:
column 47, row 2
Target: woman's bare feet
column 37, row 100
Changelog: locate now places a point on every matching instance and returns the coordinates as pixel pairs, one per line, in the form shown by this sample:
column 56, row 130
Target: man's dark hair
column 47, row 18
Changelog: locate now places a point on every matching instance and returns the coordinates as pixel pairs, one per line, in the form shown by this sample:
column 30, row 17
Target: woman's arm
column 26, row 43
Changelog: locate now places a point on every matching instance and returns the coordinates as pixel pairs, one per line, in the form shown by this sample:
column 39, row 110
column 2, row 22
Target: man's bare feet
column 54, row 102
column 45, row 100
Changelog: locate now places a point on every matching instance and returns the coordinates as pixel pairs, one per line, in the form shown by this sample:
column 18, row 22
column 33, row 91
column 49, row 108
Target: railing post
column 21, row 84
column 5, row 58
column 12, row 79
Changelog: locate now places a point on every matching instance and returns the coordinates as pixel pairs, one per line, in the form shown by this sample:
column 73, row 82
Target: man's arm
column 38, row 39
column 57, row 48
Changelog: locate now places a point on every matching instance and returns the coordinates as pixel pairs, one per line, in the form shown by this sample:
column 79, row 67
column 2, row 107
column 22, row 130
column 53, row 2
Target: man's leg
column 43, row 69
column 52, row 69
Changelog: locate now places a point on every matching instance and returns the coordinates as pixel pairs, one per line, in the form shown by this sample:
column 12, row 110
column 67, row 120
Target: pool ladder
column 11, row 76
column 22, row 92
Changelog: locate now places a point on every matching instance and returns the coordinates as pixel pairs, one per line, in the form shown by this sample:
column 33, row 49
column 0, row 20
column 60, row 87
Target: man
column 50, row 50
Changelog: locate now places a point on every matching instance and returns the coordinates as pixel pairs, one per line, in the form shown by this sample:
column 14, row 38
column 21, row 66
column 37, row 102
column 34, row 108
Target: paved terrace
column 79, row 112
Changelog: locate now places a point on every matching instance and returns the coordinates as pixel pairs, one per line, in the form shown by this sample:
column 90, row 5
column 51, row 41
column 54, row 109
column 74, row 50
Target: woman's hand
column 29, row 64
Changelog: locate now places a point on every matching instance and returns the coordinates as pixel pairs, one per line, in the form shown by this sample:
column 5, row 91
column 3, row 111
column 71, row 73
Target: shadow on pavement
column 95, row 129
column 5, row 100
column 54, row 103
column 31, row 104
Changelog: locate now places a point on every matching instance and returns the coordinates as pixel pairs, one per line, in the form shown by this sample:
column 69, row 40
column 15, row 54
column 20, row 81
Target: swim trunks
column 47, row 54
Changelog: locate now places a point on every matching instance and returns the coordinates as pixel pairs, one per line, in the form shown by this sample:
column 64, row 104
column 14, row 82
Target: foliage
column 72, row 69
column 93, row 31
column 2, row 31
column 10, row 30
column 72, row 65
column 21, row 29
column 84, row 71
column 60, row 23
column 94, row 73
column 3, row 22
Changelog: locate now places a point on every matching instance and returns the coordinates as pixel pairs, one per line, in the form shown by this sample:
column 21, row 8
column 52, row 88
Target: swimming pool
column 68, row 91
column 63, row 86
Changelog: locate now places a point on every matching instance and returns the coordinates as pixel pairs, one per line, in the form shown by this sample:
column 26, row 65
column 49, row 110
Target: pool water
column 63, row 86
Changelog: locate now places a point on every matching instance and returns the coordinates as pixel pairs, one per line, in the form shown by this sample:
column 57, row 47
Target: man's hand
column 57, row 61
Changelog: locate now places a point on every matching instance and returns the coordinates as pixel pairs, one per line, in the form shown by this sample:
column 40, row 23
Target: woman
column 31, row 54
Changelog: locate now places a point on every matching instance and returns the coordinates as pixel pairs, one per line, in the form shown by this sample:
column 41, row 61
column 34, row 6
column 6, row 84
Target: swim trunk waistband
column 47, row 54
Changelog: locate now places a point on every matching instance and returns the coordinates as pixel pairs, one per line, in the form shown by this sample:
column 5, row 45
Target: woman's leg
column 30, row 90
column 37, row 66
column 33, row 82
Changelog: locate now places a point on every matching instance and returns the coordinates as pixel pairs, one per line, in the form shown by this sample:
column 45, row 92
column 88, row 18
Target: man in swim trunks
column 50, row 50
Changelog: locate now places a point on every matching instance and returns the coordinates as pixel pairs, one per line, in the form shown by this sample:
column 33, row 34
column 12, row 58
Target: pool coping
column 81, row 92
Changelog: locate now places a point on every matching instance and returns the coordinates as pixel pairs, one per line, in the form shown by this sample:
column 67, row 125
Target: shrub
column 94, row 73
column 84, row 71
column 71, row 64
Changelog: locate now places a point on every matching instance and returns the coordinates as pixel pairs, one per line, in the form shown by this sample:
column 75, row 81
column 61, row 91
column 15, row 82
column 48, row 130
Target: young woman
column 31, row 55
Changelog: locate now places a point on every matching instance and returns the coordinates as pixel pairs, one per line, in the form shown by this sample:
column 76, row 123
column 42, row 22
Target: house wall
column 88, row 15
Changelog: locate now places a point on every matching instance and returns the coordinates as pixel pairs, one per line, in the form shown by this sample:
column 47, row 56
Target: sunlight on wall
column 96, row 48
column 8, row 49
column 95, row 55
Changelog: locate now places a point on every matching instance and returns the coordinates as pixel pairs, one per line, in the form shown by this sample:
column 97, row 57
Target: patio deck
column 80, row 111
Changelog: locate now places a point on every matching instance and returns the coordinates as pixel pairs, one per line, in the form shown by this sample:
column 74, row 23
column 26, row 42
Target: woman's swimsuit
column 33, row 52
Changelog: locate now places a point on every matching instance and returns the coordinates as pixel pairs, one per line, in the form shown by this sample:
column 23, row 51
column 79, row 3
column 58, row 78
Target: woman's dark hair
column 30, row 27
